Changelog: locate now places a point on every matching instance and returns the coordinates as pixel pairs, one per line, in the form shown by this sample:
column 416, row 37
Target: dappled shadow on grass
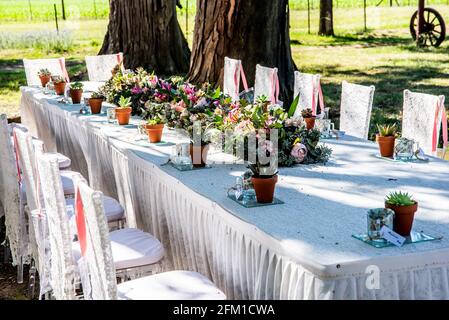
column 362, row 40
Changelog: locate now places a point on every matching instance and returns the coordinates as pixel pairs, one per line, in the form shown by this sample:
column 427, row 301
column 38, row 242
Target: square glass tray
column 414, row 237
column 254, row 203
column 186, row 168
column 414, row 160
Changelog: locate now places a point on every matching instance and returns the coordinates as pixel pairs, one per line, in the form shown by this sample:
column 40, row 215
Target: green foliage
column 399, row 198
column 293, row 106
column 124, row 102
column 46, row 41
column 307, row 113
column 387, row 130
column 76, row 85
column 97, row 95
column 44, row 72
column 57, row 79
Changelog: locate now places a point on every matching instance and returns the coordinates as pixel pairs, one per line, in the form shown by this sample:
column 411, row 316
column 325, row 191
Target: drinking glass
column 376, row 219
column 110, row 115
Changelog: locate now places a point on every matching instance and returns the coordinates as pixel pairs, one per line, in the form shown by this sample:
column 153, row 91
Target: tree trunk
column 254, row 31
column 326, row 18
column 148, row 34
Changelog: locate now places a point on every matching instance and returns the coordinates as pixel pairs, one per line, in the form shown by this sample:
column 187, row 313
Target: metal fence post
column 63, row 9
column 56, row 18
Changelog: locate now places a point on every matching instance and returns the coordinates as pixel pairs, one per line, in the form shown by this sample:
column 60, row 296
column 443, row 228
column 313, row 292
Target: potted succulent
column 155, row 122
column 59, row 84
column 309, row 118
column 76, row 92
column 95, row 102
column 44, row 76
column 386, row 138
column 123, row 111
column 264, row 181
column 404, row 207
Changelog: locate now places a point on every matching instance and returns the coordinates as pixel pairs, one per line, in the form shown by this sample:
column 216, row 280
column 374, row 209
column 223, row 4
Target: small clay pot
column 95, row 105
column 154, row 132
column 198, row 154
column 310, row 123
column 76, row 95
column 403, row 218
column 264, row 188
column 123, row 115
column 44, row 80
column 60, row 88
column 386, row 145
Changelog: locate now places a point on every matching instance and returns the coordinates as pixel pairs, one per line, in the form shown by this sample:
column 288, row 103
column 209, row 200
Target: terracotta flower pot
column 76, row 95
column 95, row 105
column 264, row 188
column 60, row 88
column 310, row 122
column 44, row 80
column 199, row 155
column 403, row 218
column 386, row 145
column 155, row 132
column 123, row 115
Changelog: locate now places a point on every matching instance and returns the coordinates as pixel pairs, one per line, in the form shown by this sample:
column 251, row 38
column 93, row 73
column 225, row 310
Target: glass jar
column 110, row 115
column 404, row 149
column 376, row 219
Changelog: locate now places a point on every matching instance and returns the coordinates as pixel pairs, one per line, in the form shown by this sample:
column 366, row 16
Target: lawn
column 384, row 56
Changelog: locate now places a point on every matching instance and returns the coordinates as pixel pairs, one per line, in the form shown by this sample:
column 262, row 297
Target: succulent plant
column 307, row 113
column 57, row 79
column 399, row 198
column 44, row 72
column 76, row 86
column 97, row 95
column 124, row 102
column 388, row 130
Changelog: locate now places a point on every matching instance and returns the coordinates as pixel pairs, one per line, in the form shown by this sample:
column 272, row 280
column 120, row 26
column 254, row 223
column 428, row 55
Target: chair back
column 423, row 116
column 233, row 72
column 62, row 260
column 308, row 87
column 98, row 270
column 267, row 83
column 355, row 109
column 55, row 66
column 99, row 68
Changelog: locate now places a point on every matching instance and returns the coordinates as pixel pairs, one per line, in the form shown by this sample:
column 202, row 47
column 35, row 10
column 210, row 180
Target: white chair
column 11, row 201
column 101, row 277
column 355, row 109
column 233, row 73
column 267, row 83
column 308, row 87
column 99, row 68
column 422, row 118
column 55, row 66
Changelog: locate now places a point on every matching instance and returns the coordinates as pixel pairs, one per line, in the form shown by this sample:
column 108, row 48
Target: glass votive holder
column 404, row 149
column 110, row 115
column 376, row 219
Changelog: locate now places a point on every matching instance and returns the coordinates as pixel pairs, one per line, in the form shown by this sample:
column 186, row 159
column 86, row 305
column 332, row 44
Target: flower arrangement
column 44, row 76
column 76, row 92
column 386, row 139
column 59, row 84
column 95, row 102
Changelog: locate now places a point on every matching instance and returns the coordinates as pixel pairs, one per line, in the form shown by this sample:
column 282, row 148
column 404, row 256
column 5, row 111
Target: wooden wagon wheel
column 434, row 28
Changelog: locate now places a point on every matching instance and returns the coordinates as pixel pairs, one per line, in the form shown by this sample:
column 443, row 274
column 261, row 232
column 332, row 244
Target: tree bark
column 254, row 31
column 326, row 18
column 148, row 34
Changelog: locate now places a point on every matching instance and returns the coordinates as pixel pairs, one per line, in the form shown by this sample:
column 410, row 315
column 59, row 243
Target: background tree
column 255, row 31
column 148, row 34
column 326, row 18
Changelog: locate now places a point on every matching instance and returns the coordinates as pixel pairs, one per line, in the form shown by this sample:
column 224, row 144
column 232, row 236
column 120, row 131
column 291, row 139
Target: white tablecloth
column 302, row 249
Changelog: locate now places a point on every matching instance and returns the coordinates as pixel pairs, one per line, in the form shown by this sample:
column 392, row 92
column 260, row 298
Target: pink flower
column 153, row 81
column 136, row 90
column 299, row 152
column 267, row 146
column 166, row 86
column 188, row 90
column 180, row 106
column 192, row 97
column 160, row 97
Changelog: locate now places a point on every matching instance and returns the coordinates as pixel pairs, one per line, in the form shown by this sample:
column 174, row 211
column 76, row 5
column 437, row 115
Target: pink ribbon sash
column 439, row 109
column 63, row 69
column 80, row 222
column 239, row 70
column 320, row 98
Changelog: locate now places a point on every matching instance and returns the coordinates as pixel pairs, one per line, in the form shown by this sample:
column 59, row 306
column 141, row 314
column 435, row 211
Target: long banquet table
column 301, row 249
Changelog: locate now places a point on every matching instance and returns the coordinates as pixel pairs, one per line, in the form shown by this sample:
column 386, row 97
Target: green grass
column 384, row 56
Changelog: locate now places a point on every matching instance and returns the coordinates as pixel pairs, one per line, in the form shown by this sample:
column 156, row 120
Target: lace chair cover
column 421, row 120
column 62, row 266
column 97, row 254
column 309, row 89
column 99, row 68
column 355, row 109
column 267, row 83
column 55, row 66
column 10, row 196
column 233, row 72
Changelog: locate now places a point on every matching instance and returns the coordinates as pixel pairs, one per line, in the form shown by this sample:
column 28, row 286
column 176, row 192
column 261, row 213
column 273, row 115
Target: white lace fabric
column 355, row 109
column 32, row 67
column 231, row 78
column 99, row 68
column 306, row 85
column 418, row 118
column 266, row 83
